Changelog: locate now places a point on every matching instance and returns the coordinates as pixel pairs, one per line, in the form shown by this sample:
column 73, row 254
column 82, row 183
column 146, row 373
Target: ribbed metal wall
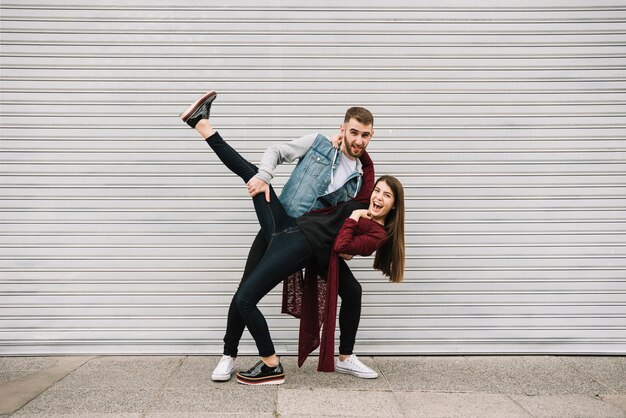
column 121, row 233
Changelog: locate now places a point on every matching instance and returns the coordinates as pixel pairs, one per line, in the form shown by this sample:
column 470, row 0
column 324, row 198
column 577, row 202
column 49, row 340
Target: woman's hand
column 360, row 213
column 336, row 140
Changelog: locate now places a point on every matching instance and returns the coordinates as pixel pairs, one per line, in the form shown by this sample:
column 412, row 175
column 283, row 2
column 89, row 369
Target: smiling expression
column 382, row 201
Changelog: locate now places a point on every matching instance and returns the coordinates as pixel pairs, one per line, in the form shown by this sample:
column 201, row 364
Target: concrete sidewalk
column 180, row 386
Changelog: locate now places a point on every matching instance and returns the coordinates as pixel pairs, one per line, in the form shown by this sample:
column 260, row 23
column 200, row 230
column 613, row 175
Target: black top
column 321, row 228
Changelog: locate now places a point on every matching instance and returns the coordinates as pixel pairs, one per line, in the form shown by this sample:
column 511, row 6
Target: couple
column 330, row 210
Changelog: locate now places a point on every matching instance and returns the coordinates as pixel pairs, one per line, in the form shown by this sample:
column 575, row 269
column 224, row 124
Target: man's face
column 356, row 137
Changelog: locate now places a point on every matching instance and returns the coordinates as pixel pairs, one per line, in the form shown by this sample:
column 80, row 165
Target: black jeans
column 288, row 251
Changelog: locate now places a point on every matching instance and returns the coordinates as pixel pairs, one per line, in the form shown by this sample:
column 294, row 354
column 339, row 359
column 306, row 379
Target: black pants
column 267, row 265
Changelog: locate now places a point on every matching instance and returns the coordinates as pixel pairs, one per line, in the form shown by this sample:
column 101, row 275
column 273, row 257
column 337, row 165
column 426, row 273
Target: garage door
column 120, row 232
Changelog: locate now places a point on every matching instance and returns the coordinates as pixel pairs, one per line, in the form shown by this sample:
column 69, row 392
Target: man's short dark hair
column 361, row 114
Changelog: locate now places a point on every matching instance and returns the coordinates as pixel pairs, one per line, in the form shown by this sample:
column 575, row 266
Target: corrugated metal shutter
column 121, row 232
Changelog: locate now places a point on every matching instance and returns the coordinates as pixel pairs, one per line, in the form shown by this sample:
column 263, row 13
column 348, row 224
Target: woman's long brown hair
column 390, row 257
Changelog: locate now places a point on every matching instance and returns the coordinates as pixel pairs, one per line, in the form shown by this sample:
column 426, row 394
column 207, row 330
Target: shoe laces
column 226, row 359
column 354, row 360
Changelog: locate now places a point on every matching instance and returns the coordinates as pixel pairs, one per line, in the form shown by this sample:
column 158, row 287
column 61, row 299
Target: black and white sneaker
column 200, row 109
column 261, row 374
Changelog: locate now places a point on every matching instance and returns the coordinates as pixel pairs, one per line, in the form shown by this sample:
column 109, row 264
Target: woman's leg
column 350, row 292
column 235, row 324
column 349, row 317
column 272, row 216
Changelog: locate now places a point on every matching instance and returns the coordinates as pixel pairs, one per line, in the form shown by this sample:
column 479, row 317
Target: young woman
column 352, row 228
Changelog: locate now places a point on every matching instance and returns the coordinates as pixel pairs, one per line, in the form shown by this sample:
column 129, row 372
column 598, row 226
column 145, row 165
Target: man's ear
column 342, row 129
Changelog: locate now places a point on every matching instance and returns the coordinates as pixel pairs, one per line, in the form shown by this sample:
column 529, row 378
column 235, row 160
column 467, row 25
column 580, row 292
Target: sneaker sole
column 355, row 373
column 186, row 114
column 277, row 380
column 221, row 377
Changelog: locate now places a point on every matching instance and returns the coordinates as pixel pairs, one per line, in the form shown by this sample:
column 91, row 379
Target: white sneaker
column 352, row 365
column 224, row 369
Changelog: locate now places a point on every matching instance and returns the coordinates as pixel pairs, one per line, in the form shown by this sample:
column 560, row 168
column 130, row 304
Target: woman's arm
column 359, row 238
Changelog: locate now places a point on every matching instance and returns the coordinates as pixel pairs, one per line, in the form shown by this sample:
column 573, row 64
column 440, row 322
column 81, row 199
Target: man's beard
column 348, row 148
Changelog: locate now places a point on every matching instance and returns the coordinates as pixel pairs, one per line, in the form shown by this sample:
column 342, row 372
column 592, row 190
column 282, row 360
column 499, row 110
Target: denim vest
column 306, row 188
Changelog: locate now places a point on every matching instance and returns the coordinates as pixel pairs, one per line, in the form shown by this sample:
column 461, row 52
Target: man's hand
column 257, row 186
column 346, row 257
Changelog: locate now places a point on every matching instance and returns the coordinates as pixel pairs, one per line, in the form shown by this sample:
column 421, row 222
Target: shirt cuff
column 264, row 175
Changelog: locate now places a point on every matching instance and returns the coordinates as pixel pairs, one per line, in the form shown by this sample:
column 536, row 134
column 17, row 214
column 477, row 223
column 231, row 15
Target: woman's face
column 381, row 201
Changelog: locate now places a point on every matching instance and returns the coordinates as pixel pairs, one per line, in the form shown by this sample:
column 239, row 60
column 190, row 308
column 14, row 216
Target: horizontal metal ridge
column 417, row 317
column 129, row 30
column 619, row 184
column 221, row 270
column 398, row 30
column 326, row 91
column 393, row 44
column 282, row 175
column 383, row 55
column 593, row 101
column 90, row 149
column 26, row 209
column 335, row 8
column 439, row 305
column 362, row 328
column 246, row 246
column 243, row 258
column 349, row 76
column 370, row 292
column 255, row 222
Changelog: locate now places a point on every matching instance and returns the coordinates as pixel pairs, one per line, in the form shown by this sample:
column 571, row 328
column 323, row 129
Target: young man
column 325, row 175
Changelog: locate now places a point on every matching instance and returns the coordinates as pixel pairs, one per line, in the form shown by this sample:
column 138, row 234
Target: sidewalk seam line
column 156, row 397
column 584, row 373
column 508, row 395
column 390, row 388
column 52, row 385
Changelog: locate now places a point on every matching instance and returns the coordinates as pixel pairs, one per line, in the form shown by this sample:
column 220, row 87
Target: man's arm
column 285, row 152
column 277, row 154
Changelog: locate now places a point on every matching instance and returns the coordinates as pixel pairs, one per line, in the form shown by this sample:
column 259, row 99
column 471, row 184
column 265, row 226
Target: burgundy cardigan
column 313, row 298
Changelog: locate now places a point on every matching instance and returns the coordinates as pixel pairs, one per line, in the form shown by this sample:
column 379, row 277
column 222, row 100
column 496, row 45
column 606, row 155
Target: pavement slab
column 204, row 415
column 77, row 401
column 462, row 405
column 33, row 376
column 609, row 371
column 80, row 415
column 617, row 400
column 536, row 375
column 13, row 368
column 444, row 374
column 123, row 371
column 245, row 400
column 566, row 406
column 334, row 402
